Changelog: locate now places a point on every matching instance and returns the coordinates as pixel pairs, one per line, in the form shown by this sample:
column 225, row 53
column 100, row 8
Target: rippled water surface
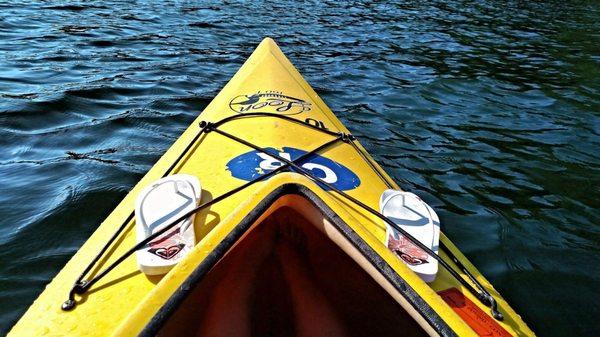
column 490, row 111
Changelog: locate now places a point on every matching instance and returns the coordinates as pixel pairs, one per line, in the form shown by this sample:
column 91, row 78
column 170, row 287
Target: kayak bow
column 290, row 239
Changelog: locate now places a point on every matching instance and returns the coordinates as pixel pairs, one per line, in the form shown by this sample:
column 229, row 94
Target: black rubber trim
column 163, row 314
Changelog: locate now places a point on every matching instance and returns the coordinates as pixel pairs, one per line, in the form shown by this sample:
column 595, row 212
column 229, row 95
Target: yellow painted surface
column 126, row 300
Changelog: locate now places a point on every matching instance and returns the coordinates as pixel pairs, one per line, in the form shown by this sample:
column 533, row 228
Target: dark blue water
column 489, row 111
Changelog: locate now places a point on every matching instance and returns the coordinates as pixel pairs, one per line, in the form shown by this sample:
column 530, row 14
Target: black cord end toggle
column 206, row 126
column 80, row 287
column 68, row 305
column 489, row 300
column 484, row 298
column 347, row 138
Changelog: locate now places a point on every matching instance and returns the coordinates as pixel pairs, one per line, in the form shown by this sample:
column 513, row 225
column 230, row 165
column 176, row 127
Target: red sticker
column 479, row 321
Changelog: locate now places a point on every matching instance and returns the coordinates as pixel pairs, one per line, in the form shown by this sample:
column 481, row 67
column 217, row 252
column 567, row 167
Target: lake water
column 489, row 111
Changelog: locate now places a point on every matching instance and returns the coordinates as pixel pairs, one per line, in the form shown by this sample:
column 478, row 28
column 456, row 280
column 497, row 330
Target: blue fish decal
column 251, row 165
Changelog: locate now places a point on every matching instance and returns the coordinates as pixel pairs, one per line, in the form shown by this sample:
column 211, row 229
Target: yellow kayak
column 288, row 237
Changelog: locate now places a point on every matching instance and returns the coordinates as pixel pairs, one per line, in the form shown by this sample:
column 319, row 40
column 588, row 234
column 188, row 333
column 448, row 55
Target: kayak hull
column 126, row 302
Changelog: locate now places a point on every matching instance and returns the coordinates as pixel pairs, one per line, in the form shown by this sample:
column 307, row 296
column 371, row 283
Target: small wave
column 102, row 43
column 195, row 9
column 132, row 17
column 75, row 29
column 201, row 24
column 76, row 8
column 20, row 96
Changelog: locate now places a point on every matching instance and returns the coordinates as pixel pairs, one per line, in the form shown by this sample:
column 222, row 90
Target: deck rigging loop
column 81, row 285
column 483, row 295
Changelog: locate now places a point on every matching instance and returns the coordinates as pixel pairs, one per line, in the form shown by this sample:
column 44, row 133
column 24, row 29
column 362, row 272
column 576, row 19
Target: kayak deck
column 127, row 302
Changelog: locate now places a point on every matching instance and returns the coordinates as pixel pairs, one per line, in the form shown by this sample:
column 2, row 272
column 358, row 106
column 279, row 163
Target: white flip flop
column 419, row 220
column 158, row 205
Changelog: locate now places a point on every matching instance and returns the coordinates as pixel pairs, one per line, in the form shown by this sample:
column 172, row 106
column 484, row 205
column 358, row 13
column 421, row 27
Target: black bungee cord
column 483, row 295
column 81, row 285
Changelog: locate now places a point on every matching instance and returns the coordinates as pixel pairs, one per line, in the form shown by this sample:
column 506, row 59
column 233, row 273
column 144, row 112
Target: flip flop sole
column 157, row 206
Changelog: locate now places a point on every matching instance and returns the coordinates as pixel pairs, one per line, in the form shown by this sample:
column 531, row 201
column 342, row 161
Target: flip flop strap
column 149, row 228
column 419, row 222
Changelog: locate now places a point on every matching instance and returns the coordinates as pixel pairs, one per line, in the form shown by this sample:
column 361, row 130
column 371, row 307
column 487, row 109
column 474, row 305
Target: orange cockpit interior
column 287, row 277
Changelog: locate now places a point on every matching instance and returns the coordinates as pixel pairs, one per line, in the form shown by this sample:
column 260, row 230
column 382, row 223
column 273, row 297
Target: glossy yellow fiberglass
column 126, row 302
